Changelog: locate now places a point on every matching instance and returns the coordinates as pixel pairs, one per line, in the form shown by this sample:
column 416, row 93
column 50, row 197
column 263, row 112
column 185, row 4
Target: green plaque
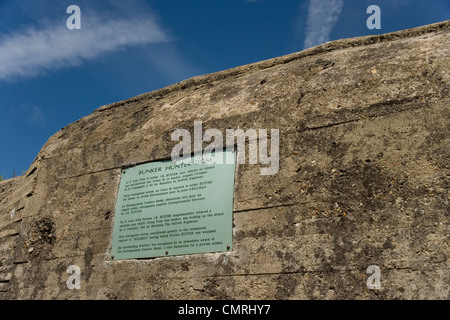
column 165, row 208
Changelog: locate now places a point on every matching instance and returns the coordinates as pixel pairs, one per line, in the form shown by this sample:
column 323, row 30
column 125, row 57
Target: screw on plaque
column 112, row 257
column 167, row 252
column 228, row 247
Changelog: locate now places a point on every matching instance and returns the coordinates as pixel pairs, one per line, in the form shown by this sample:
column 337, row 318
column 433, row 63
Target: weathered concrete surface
column 363, row 180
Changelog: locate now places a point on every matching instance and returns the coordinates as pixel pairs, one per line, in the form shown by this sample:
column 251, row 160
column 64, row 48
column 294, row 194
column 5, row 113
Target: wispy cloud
column 29, row 112
column 36, row 116
column 34, row 51
column 322, row 16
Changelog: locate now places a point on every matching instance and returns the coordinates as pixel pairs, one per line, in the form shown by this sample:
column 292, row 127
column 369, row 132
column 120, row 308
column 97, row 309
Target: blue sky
column 51, row 76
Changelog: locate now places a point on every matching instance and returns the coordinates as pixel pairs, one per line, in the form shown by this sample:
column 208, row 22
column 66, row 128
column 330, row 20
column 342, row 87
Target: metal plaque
column 165, row 208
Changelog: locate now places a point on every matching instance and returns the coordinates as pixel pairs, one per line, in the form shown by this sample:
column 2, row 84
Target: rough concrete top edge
column 325, row 47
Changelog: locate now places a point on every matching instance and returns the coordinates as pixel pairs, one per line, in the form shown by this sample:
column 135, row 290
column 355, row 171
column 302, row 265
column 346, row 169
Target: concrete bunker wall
column 363, row 180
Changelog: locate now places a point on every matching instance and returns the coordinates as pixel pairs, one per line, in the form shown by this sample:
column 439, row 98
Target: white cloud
column 36, row 116
column 322, row 16
column 35, row 51
column 31, row 113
